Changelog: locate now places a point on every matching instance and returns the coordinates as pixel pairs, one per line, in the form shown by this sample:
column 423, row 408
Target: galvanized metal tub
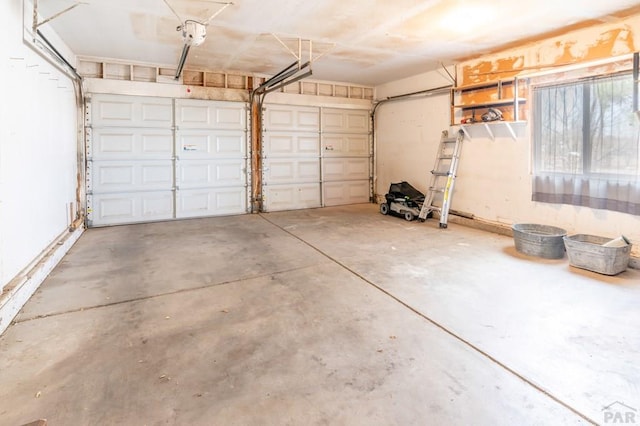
column 588, row 252
column 539, row 240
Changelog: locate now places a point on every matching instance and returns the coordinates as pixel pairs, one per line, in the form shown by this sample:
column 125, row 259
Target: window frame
column 586, row 142
column 616, row 191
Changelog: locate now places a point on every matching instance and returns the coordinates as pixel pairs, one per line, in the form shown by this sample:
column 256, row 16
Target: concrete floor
column 328, row 316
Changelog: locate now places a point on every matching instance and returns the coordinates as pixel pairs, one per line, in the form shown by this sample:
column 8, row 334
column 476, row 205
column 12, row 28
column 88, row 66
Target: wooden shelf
column 507, row 93
column 497, row 102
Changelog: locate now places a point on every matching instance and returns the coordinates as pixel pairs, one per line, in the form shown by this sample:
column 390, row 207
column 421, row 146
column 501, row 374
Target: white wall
column 408, row 131
column 494, row 177
column 38, row 149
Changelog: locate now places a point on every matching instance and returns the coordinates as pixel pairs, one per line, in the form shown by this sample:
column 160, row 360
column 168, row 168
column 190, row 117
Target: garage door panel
column 280, row 119
column 291, row 170
column 161, row 174
column 210, row 173
column 190, row 114
column 291, row 197
column 127, row 176
column 308, row 119
column 337, row 169
column 114, row 112
column 341, row 145
column 129, row 144
column 282, row 144
column 291, row 118
column 155, row 114
column 211, row 144
column 200, row 114
column 231, row 117
column 345, row 121
column 131, row 111
column 341, row 193
column 210, row 202
column 113, row 209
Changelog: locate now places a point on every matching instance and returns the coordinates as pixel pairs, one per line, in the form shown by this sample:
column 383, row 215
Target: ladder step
column 450, row 140
column 439, row 173
column 436, row 189
column 446, row 157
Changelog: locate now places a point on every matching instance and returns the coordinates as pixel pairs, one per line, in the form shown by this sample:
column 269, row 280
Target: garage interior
column 190, row 230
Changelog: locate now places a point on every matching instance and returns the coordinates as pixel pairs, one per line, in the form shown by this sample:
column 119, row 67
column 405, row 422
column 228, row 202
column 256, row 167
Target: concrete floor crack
column 435, row 323
column 156, row 296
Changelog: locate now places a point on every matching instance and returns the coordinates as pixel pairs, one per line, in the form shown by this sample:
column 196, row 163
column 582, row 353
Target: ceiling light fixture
column 465, row 18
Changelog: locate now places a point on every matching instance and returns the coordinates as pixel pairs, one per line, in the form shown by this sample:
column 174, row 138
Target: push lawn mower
column 403, row 200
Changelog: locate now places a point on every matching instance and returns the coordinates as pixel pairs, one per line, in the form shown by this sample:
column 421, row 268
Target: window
column 587, row 144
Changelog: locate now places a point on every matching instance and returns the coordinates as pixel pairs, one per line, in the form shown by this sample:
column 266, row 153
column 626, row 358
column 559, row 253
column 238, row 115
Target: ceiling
column 366, row 42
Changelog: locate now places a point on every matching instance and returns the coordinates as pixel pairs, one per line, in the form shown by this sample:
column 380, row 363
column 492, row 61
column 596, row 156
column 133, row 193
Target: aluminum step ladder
column 443, row 178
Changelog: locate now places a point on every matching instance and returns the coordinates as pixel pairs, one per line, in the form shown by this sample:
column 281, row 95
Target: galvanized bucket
column 539, row 240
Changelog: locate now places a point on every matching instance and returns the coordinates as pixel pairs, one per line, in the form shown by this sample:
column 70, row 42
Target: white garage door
column 211, row 158
column 315, row 157
column 346, row 154
column 149, row 160
column 290, row 157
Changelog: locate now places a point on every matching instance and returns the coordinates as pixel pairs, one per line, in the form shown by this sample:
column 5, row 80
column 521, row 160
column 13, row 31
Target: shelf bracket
column 511, row 127
column 491, row 135
column 465, row 131
column 512, row 132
